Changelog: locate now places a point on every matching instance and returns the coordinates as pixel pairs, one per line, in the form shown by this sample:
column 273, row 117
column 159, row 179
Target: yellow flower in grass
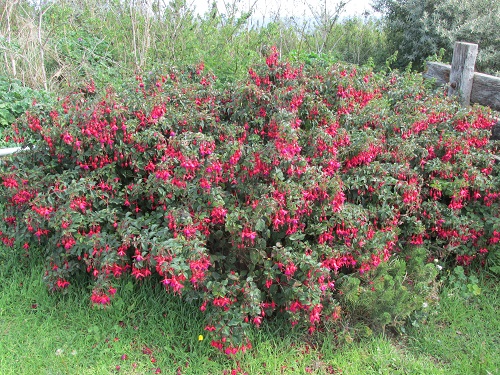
column 200, row 338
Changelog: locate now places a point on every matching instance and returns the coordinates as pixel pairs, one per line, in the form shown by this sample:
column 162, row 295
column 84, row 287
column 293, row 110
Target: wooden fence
column 462, row 80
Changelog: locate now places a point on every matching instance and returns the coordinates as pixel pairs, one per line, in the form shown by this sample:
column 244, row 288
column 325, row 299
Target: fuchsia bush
column 264, row 197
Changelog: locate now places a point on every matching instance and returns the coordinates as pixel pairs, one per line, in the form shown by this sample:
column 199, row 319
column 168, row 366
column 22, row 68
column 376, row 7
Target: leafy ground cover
column 148, row 331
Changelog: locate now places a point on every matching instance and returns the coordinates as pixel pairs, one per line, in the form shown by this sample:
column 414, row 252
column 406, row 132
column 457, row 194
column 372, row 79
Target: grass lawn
column 146, row 331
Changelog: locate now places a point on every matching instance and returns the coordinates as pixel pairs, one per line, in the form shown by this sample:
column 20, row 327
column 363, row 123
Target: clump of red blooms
column 253, row 201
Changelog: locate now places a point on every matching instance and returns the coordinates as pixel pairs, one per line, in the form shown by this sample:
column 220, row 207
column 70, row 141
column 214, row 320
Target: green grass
column 42, row 333
column 463, row 334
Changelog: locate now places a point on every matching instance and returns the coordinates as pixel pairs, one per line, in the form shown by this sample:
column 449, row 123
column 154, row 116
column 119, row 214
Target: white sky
column 266, row 9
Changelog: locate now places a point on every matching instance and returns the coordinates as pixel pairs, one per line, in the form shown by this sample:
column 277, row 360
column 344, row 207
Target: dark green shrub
column 294, row 192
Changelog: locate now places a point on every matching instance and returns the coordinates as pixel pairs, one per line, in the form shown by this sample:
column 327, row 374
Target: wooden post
column 462, row 71
column 485, row 88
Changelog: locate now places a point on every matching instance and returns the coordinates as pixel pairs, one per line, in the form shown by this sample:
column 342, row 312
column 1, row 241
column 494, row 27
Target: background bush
column 419, row 29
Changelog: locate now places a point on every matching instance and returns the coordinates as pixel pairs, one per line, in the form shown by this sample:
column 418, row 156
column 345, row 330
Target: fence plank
column 8, row 151
column 486, row 90
column 462, row 71
column 438, row 71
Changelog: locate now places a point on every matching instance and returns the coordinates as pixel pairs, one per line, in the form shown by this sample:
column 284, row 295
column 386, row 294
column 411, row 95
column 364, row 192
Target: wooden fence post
column 462, row 71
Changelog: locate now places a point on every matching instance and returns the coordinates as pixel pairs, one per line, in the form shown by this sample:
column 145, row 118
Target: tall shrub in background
column 309, row 192
column 418, row 29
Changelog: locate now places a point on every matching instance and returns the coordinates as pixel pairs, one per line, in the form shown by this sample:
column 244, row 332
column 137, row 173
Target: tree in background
column 418, row 29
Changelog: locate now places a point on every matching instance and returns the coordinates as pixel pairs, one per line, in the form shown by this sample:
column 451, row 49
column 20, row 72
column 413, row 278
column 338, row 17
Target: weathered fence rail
column 462, row 80
column 8, row 151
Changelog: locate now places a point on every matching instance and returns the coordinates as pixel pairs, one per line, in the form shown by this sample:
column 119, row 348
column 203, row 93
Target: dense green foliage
column 15, row 99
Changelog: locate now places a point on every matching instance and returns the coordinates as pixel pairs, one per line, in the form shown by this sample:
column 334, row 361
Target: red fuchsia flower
column 337, row 263
column 80, row 203
column 205, row 184
column 375, row 260
column 223, row 302
column 280, row 218
column 34, row 123
column 495, row 238
column 272, row 59
column 163, row 175
column 61, row 283
column 365, row 267
column 338, row 201
column 67, row 138
column 314, row 315
column 116, row 269
column 122, row 250
column 198, row 268
column 286, row 149
column 465, row 260
column 157, row 112
column 68, row 242
column 100, row 298
column 257, row 321
column 456, row 203
column 295, row 306
column 174, row 282
column 254, row 76
column 43, row 211
column 217, row 344
column 248, row 234
column 205, row 81
column 417, row 239
column 41, row 232
column 10, row 183
column 7, row 241
column 207, row 148
column 140, row 273
column 364, row 157
column 11, row 220
column 326, row 237
column 289, row 73
column 296, row 102
column 191, row 165
column 289, row 270
column 189, row 231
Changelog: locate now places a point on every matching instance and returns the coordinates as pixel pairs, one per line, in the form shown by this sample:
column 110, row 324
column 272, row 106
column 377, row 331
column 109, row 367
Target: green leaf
column 297, row 236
